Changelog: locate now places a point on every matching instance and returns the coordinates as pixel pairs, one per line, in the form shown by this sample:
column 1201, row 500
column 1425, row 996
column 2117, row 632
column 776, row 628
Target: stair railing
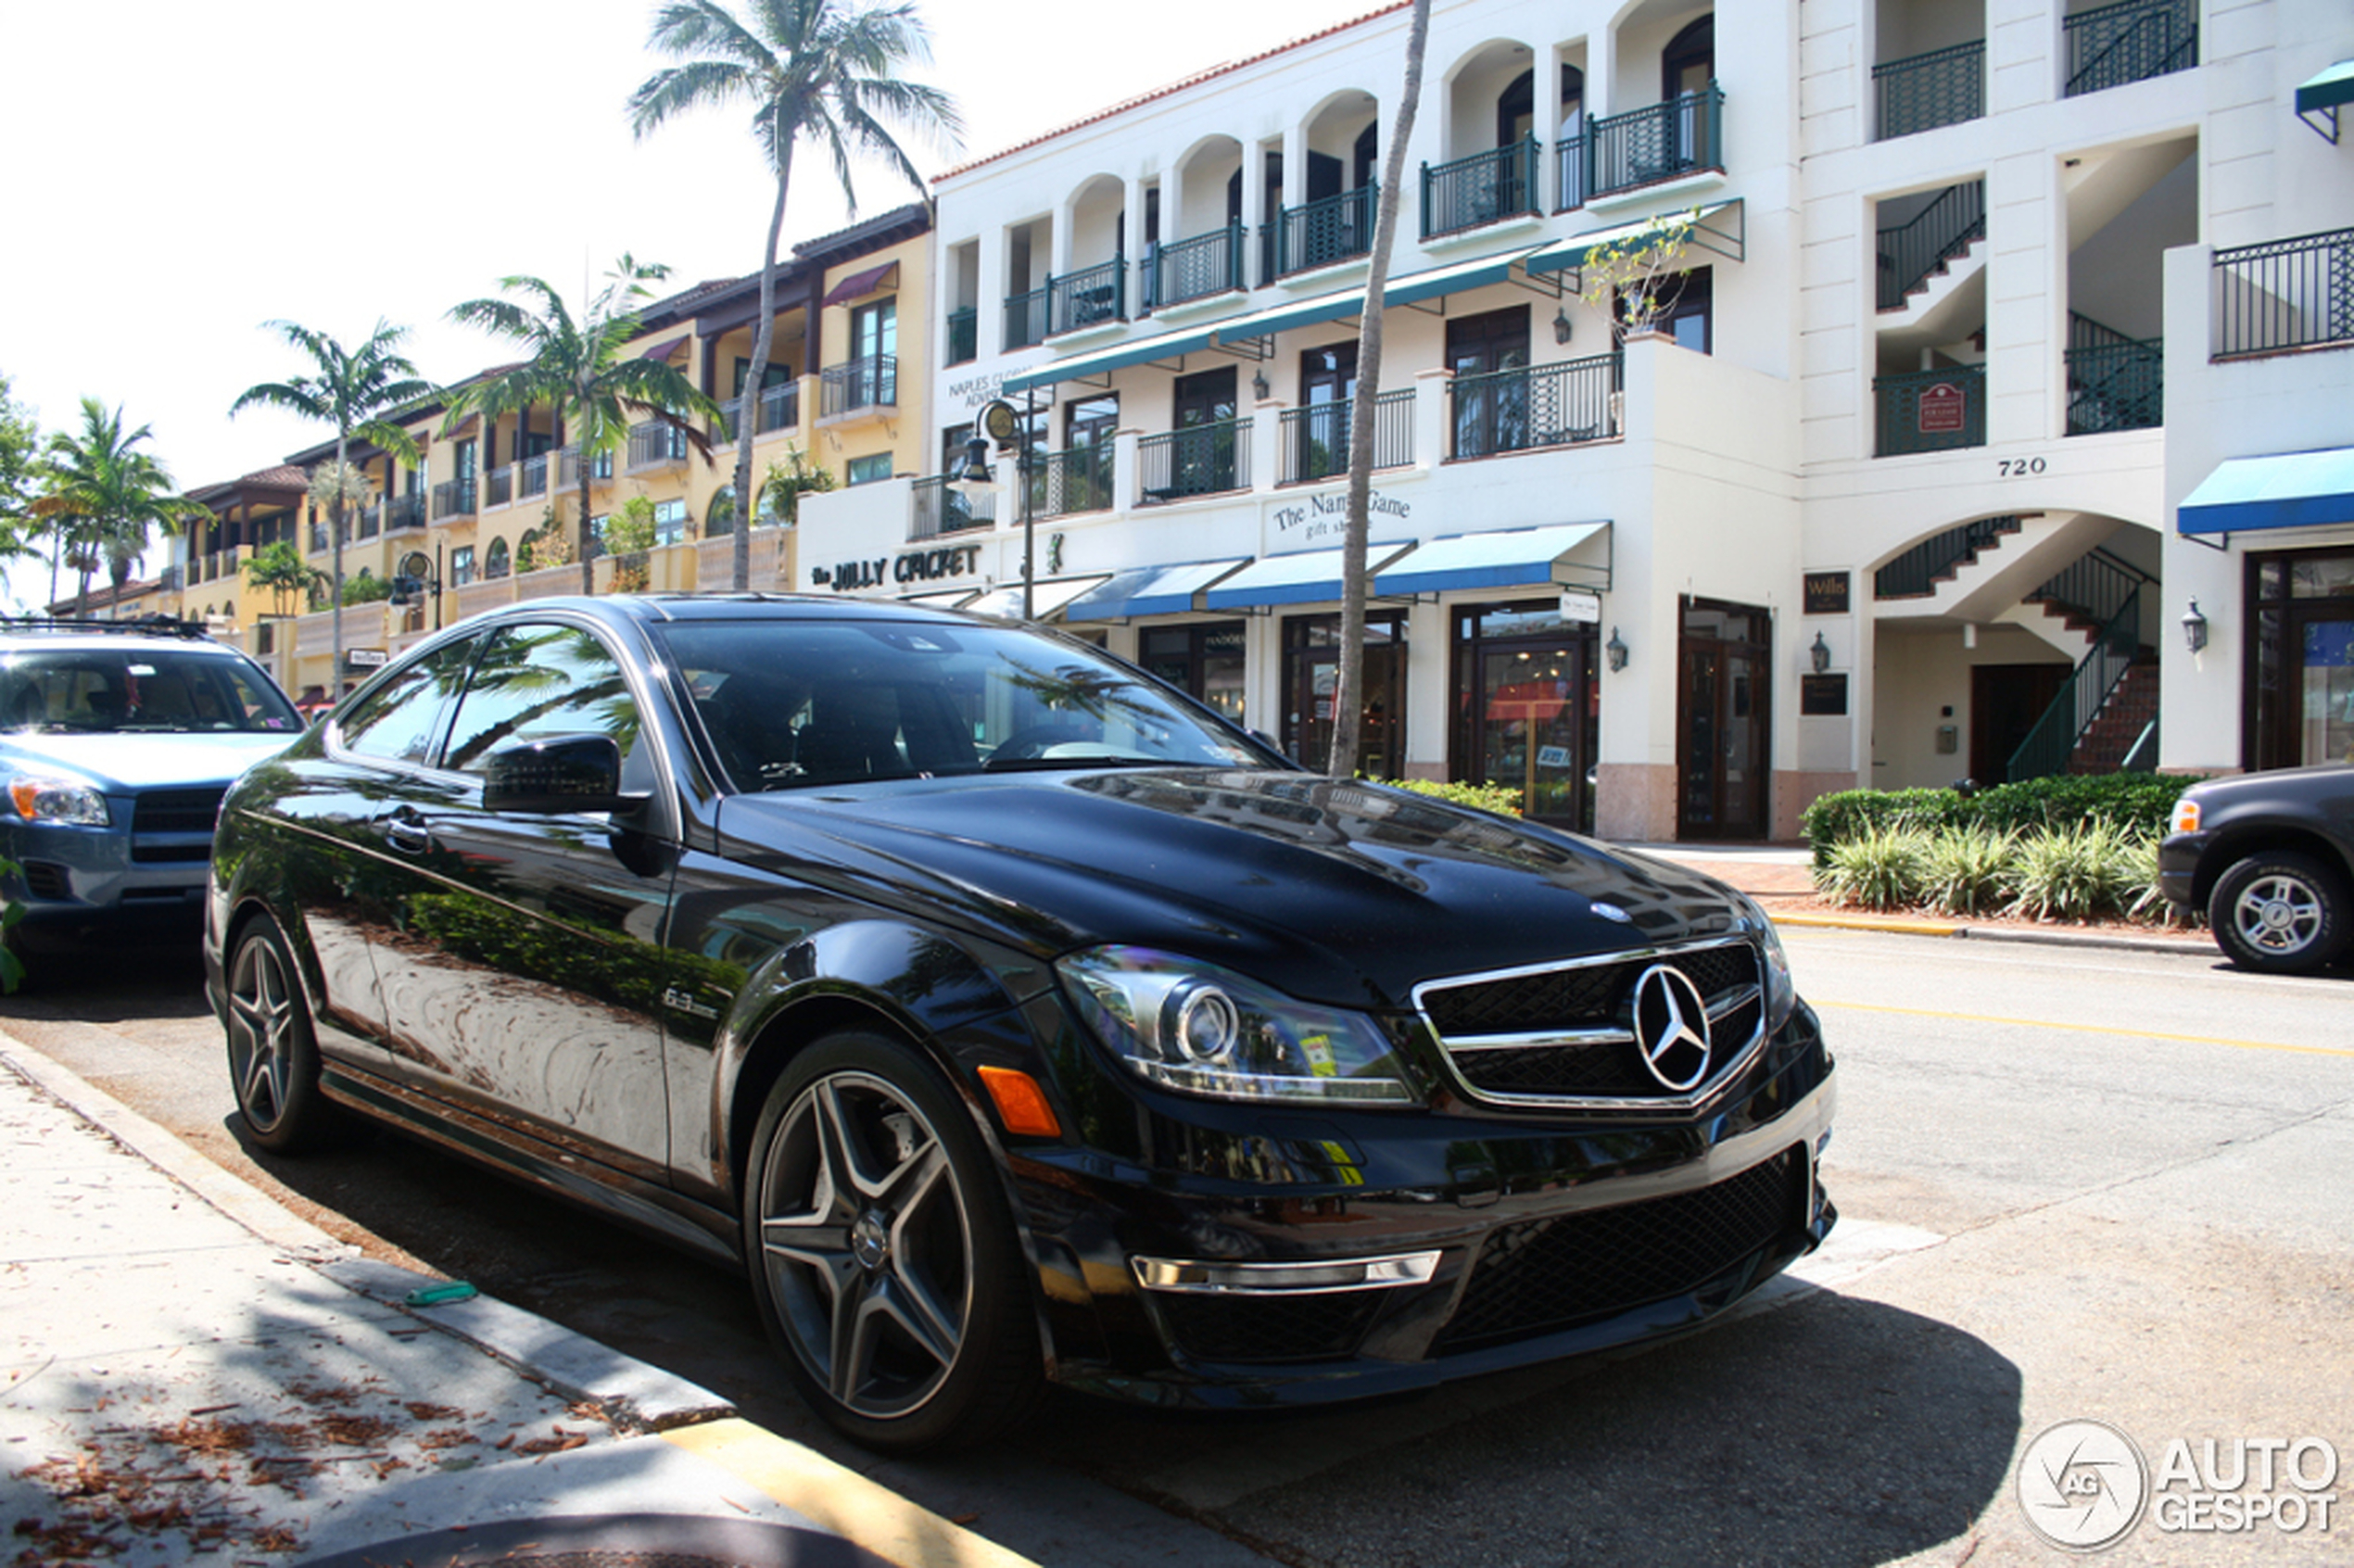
column 1910, row 251
column 2081, row 697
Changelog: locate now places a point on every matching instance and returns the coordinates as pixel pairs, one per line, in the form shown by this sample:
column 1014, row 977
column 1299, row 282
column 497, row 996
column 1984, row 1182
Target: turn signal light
column 2186, row 818
column 1021, row 1104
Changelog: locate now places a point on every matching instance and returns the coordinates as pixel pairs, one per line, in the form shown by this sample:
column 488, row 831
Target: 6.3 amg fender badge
column 1671, row 1026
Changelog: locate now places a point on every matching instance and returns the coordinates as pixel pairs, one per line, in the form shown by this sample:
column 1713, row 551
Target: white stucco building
column 1893, row 485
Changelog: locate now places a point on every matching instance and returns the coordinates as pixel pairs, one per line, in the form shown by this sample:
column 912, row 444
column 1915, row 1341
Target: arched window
column 1689, row 63
column 497, row 565
column 1516, row 111
column 719, row 517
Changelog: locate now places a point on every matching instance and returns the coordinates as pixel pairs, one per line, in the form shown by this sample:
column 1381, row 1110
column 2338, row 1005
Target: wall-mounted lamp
column 1820, row 655
column 1562, row 325
column 1259, row 388
column 1615, row 650
column 2194, row 627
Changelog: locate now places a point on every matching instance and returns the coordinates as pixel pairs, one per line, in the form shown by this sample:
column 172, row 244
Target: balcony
column 779, row 410
column 453, row 498
column 1093, row 296
column 2284, row 294
column 2111, row 45
column 858, row 385
column 1067, row 482
column 1325, row 232
column 936, row 508
column 568, row 468
column 1485, row 188
column 1569, row 166
column 405, row 512
column 964, row 335
column 531, row 476
column 1942, row 87
column 657, row 445
column 501, row 486
column 1536, row 408
column 2114, row 381
column 1649, row 147
column 1026, row 318
column 1930, row 411
column 1315, row 439
column 1201, row 460
column 370, row 521
column 1193, row 269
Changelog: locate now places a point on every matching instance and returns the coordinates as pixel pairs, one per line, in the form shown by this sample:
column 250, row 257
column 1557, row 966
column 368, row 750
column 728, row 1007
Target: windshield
column 795, row 704
column 139, row 691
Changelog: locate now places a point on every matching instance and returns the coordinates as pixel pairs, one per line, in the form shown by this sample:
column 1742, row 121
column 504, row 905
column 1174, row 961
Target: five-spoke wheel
column 273, row 1058
column 2280, row 911
column 882, row 1255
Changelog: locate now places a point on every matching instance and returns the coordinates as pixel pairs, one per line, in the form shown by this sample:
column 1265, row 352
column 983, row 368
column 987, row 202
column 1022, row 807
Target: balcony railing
column 1930, row 411
column 1201, row 460
column 531, row 475
column 2052, row 739
column 1324, row 232
column 2114, row 381
column 1077, row 480
column 500, row 484
column 318, row 539
column 1193, row 269
column 1666, row 141
column 1526, row 410
column 1569, row 163
column 2284, row 294
column 2111, row 45
column 1315, row 439
column 1484, row 188
column 938, row 508
column 1910, row 251
column 1942, row 87
column 1090, row 297
column 405, row 512
column 657, row 445
column 372, row 520
column 568, row 468
column 870, row 383
column 1026, row 318
column 453, row 498
column 779, row 410
column 964, row 335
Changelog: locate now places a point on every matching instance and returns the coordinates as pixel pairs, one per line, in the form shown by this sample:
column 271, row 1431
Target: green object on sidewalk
column 440, row 1295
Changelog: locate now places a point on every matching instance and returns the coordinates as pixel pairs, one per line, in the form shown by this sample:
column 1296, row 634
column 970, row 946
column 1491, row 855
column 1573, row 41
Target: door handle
column 405, row 831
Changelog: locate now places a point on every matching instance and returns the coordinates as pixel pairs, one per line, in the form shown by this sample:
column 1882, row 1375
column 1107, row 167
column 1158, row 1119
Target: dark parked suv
column 2270, row 857
column 1006, row 1016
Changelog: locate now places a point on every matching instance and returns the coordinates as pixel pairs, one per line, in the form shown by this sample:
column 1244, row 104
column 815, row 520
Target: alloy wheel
column 263, row 1014
column 866, row 1244
column 2278, row 913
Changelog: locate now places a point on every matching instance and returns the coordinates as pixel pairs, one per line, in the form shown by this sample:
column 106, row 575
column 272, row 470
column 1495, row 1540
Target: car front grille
column 1308, row 1327
column 1563, row 1034
column 46, row 879
column 176, row 811
column 1537, row 1276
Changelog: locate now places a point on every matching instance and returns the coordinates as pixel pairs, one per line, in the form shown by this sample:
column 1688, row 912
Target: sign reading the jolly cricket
column 1941, row 408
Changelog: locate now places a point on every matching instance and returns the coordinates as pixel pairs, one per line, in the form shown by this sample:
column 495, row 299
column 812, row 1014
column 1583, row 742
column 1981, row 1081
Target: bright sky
column 181, row 173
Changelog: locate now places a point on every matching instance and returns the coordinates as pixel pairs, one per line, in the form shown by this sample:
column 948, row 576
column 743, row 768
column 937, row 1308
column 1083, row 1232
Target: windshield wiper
column 1034, row 764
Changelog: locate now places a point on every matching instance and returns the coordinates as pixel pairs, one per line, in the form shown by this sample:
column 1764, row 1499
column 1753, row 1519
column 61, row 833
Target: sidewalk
column 189, row 1373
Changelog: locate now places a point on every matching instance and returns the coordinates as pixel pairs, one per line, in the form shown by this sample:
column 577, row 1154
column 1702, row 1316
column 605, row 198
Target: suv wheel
column 2280, row 911
column 883, row 1255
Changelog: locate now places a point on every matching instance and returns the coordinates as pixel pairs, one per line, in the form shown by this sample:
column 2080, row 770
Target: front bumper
column 2178, row 858
column 79, row 885
column 1513, row 1239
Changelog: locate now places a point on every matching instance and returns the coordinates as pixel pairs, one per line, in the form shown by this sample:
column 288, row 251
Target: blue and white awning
column 1311, row 577
column 1151, row 590
column 2284, row 490
column 1564, row 554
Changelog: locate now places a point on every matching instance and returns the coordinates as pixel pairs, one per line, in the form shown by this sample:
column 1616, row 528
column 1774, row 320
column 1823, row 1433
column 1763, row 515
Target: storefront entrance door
column 1724, row 766
column 2300, row 675
column 1528, row 709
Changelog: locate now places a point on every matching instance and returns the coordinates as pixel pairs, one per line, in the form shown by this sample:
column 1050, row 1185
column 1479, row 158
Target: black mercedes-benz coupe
column 1006, row 1016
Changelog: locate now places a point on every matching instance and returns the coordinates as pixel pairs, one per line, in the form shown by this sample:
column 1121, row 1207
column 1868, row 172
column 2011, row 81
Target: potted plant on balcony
column 628, row 533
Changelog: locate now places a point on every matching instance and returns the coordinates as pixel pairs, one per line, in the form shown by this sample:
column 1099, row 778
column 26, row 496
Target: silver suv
column 117, row 741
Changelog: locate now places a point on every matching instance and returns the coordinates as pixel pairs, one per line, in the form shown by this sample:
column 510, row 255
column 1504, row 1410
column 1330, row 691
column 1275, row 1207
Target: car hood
column 1333, row 891
column 118, row 762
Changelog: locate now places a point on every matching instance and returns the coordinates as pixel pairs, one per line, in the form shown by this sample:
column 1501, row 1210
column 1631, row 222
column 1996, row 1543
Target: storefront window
column 1204, row 660
column 2300, row 659
column 1311, row 675
column 1528, row 709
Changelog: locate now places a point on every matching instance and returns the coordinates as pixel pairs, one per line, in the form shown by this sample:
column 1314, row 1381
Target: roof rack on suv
column 151, row 626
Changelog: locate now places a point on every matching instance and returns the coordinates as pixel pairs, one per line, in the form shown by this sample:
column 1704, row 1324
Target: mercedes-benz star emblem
column 1671, row 1026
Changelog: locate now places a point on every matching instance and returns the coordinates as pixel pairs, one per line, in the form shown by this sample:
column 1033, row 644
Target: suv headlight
column 1194, row 1027
column 58, row 800
column 1781, row 991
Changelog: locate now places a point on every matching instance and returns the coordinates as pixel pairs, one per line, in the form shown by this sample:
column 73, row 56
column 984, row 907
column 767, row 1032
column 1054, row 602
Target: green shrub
column 1501, row 799
column 2075, row 873
column 366, row 589
column 1878, row 868
column 2140, row 802
column 1848, row 815
column 1968, row 870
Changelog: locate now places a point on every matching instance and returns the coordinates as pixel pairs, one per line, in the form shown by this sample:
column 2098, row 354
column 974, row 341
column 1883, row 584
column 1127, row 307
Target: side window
column 401, row 718
column 536, row 681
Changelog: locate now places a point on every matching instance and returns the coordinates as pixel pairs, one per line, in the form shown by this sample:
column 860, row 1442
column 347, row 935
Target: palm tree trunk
column 335, row 546
column 588, row 563
column 748, row 400
column 1349, row 682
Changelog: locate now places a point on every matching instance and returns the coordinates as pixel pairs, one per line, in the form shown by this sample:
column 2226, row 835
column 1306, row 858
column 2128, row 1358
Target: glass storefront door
column 1312, row 676
column 1203, row 660
column 1528, row 709
column 2301, row 667
column 1724, row 771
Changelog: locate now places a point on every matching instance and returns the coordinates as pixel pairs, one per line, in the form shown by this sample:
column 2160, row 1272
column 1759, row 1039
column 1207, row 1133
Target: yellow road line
column 2086, row 1029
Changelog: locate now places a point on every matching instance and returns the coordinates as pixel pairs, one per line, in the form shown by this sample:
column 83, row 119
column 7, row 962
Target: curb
column 2185, row 946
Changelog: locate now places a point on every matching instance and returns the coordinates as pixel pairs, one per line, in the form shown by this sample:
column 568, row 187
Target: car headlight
column 1193, row 1027
column 58, row 800
column 2185, row 816
column 1781, row 991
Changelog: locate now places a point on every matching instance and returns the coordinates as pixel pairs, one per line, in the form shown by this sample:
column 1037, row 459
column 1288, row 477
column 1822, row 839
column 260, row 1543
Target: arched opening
column 496, row 564
column 1689, row 63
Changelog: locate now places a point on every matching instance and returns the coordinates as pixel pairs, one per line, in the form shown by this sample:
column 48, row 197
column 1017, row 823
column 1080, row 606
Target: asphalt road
column 2075, row 1185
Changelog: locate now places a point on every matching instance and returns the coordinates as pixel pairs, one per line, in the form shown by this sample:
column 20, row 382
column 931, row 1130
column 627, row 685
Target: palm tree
column 1349, row 683
column 819, row 71
column 580, row 369
column 285, row 573
column 354, row 389
column 106, row 495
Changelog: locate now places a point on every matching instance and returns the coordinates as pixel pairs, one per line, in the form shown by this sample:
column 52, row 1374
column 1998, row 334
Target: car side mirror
column 560, row 774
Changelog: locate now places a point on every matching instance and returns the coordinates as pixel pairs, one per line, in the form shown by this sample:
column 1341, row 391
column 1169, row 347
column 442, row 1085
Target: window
column 497, row 563
column 462, row 566
column 535, row 683
column 1311, row 672
column 866, row 469
column 874, row 330
column 1491, row 402
column 1204, row 660
column 400, row 720
column 670, row 521
column 1689, row 316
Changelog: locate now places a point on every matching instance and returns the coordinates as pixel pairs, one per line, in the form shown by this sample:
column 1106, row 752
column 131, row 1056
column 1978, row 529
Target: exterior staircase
column 1931, row 245
column 2115, row 739
column 2103, row 717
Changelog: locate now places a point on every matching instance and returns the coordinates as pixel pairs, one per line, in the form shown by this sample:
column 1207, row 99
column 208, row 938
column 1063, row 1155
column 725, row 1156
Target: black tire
column 896, row 1296
column 273, row 1055
column 2281, row 912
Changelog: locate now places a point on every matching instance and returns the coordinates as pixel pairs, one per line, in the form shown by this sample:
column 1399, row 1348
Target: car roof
column 111, row 636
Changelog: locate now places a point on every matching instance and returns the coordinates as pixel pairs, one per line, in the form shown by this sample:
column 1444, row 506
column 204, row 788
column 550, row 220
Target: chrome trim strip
column 1556, row 1038
column 1727, row 1003
column 1332, row 1277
